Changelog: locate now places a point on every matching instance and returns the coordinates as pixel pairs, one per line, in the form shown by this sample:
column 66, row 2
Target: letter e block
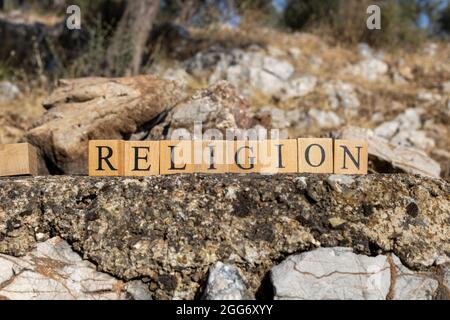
column 106, row 158
column 350, row 157
column 315, row 155
column 18, row 160
column 176, row 156
column 141, row 158
column 277, row 156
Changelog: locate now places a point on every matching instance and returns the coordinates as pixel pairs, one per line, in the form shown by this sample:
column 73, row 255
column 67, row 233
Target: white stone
column 339, row 274
column 371, row 69
column 8, row 91
column 54, row 271
column 325, row 119
column 299, row 87
column 225, row 282
column 412, row 286
column 331, row 273
column 340, row 181
column 342, row 95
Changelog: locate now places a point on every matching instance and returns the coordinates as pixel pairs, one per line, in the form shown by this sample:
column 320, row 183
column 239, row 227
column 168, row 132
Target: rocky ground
column 159, row 236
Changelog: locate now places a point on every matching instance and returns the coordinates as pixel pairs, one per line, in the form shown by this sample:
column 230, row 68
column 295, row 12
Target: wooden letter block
column 242, row 156
column 106, row 158
column 277, row 156
column 350, row 157
column 141, row 158
column 210, row 156
column 315, row 155
column 176, row 157
column 18, row 160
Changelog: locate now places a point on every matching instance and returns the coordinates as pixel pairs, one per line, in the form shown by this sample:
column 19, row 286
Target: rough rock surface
column 169, row 230
column 338, row 273
column 218, row 107
column 54, row 271
column 388, row 157
column 8, row 91
column 97, row 108
column 225, row 282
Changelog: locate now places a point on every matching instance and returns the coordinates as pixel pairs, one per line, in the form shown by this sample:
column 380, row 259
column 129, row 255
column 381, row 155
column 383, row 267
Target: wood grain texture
column 350, row 157
column 315, row 155
column 18, row 159
column 141, row 158
column 106, row 158
column 210, row 156
column 176, row 156
column 277, row 156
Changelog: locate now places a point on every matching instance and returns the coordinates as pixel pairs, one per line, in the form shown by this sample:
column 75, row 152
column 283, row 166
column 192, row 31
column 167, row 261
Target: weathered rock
column 409, row 285
column 12, row 127
column 54, row 271
column 338, row 273
column 371, row 69
column 342, row 95
column 218, row 107
column 171, row 229
column 8, row 91
column 332, row 273
column 298, row 87
column 325, row 119
column 243, row 69
column 225, row 282
column 387, row 157
column 97, row 108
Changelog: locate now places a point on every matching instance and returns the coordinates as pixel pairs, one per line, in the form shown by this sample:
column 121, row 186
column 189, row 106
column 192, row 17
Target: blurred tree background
column 118, row 36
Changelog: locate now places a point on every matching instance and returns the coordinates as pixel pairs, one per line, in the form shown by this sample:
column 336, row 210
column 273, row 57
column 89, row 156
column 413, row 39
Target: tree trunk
column 128, row 43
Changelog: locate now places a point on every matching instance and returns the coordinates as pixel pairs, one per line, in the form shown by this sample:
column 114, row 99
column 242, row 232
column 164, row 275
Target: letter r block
column 315, row 155
column 350, row 157
column 141, row 158
column 106, row 158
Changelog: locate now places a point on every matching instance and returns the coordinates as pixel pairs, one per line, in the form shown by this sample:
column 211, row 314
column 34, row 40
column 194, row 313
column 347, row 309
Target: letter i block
column 176, row 156
column 277, row 156
column 106, row 158
column 315, row 155
column 350, row 157
column 18, row 160
column 141, row 158
column 210, row 156
column 242, row 156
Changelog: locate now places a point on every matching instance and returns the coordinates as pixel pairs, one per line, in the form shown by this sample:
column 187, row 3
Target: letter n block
column 176, row 156
column 315, row 155
column 141, row 158
column 350, row 157
column 18, row 160
column 277, row 156
column 106, row 158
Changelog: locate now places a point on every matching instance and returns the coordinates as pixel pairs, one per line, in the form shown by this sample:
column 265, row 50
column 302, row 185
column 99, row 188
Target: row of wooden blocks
column 145, row 158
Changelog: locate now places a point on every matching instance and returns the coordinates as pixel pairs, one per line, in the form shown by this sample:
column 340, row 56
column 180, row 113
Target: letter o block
column 315, row 155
